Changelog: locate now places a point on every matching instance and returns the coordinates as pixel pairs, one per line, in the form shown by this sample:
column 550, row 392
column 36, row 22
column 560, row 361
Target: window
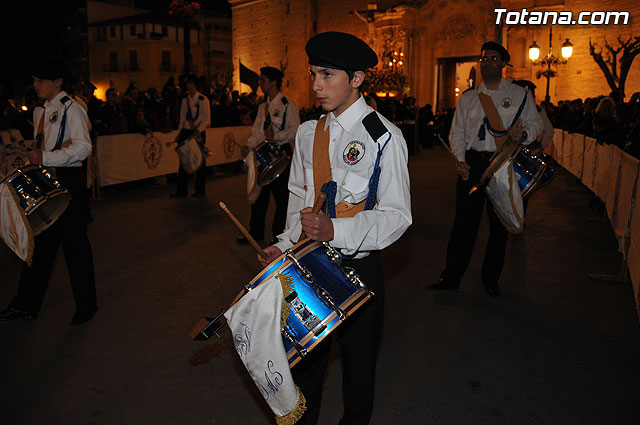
column 132, row 30
column 112, row 31
column 113, row 61
column 133, row 60
column 165, row 30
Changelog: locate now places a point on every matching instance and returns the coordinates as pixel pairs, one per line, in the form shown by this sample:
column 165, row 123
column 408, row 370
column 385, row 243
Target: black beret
column 50, row 68
column 492, row 45
column 273, row 74
column 339, row 50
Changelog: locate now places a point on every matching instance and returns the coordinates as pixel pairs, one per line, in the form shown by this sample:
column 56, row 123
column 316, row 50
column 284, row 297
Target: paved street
column 557, row 348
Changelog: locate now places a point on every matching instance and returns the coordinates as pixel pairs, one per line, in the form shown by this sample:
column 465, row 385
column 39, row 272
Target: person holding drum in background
column 62, row 145
column 473, row 135
column 358, row 159
column 276, row 122
column 195, row 117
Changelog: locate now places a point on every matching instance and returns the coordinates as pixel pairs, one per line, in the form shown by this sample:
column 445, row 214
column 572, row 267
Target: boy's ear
column 358, row 79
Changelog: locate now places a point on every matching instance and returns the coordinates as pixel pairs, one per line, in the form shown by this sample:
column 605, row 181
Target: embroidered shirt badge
column 353, row 153
column 506, row 103
column 53, row 117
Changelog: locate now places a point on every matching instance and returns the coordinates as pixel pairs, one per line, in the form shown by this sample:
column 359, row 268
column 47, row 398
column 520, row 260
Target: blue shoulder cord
column 493, row 131
column 63, row 125
column 330, row 188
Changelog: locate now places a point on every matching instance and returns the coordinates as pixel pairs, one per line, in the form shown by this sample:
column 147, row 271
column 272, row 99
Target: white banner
column 132, row 156
column 255, row 322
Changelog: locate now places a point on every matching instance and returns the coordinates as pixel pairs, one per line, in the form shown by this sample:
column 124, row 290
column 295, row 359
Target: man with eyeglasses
column 496, row 110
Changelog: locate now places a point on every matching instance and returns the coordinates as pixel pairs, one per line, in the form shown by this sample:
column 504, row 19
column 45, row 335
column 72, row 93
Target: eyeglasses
column 490, row 58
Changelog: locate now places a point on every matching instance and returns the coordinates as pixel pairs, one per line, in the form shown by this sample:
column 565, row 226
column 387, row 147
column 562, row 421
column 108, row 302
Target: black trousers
column 280, row 190
column 466, row 224
column 71, row 230
column 359, row 337
column 183, row 176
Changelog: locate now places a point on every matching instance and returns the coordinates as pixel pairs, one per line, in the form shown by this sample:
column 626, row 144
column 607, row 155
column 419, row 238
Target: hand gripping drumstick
column 316, row 208
column 244, row 231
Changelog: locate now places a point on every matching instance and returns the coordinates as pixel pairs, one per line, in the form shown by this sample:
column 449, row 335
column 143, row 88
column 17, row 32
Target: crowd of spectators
column 607, row 119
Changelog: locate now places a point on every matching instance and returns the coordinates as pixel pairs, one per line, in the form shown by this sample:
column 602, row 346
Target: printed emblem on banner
column 353, row 153
column 53, row 117
column 506, row 103
column 152, row 151
column 229, row 144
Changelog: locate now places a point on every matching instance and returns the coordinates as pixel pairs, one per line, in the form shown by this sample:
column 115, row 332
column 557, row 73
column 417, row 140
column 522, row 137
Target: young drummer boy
column 359, row 160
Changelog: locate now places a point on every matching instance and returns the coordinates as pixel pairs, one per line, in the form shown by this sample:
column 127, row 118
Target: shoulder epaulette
column 65, row 99
column 201, row 97
column 374, row 126
column 284, row 100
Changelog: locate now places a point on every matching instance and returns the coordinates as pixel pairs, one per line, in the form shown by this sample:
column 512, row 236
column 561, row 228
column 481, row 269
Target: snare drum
column 272, row 160
column 323, row 295
column 42, row 198
column 532, row 171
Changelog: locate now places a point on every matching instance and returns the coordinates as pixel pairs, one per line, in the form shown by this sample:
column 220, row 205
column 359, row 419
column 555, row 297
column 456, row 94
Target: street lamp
column 549, row 60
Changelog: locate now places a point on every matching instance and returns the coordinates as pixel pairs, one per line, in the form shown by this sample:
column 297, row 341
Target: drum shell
column 532, row 171
column 42, row 198
column 328, row 275
column 272, row 160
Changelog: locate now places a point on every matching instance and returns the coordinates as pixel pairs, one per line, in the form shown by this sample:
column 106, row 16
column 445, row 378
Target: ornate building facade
column 435, row 43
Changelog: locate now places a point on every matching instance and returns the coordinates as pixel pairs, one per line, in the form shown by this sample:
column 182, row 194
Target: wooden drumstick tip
column 222, row 205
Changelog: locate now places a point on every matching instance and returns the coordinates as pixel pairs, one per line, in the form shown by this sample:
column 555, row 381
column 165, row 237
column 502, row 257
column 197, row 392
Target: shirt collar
column 55, row 99
column 504, row 85
column 271, row 102
column 350, row 116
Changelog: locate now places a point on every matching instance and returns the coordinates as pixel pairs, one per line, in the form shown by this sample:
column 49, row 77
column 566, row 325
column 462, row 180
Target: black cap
column 492, row 45
column 273, row 74
column 340, row 50
column 50, row 68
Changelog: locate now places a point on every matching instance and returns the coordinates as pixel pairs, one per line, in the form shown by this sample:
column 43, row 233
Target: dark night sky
column 34, row 29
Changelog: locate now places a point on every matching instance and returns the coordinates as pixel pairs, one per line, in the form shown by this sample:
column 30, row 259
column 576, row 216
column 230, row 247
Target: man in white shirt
column 473, row 142
column 195, row 117
column 276, row 122
column 359, row 160
column 62, row 144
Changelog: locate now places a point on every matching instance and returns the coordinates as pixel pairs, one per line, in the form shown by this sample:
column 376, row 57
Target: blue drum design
column 272, row 160
column 325, row 294
column 532, row 170
column 42, row 198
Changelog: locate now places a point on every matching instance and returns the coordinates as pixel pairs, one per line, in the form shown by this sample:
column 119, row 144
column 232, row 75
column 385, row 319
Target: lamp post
column 550, row 59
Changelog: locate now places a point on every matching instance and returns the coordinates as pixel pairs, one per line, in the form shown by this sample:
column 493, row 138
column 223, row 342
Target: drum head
column 273, row 171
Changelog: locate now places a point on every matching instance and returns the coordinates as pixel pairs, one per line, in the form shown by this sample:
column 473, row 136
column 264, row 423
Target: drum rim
column 262, row 181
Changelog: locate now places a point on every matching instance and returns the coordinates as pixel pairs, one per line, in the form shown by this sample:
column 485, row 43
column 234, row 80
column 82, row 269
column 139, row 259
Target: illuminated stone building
column 128, row 45
column 437, row 41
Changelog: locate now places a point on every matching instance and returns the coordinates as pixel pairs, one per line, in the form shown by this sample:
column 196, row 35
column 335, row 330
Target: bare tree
column 609, row 66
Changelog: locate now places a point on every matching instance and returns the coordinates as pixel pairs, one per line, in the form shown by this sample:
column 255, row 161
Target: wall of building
column 274, row 32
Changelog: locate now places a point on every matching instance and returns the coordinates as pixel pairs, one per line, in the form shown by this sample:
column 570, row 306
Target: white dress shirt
column 469, row 116
column 282, row 132
column 76, row 131
column 368, row 230
column 200, row 112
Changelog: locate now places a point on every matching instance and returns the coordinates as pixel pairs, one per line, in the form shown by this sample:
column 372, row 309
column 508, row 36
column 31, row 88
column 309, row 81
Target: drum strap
column 40, row 134
column 322, row 173
column 493, row 122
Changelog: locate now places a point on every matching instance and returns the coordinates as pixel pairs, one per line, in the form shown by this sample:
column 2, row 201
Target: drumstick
column 244, row 231
column 455, row 158
column 316, row 208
